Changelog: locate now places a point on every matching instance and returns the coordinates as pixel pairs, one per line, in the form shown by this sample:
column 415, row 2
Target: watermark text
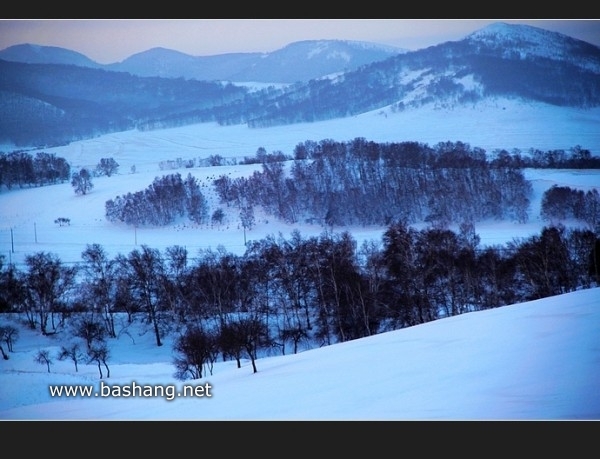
column 168, row 392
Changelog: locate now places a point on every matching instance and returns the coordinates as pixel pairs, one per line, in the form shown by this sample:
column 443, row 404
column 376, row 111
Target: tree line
column 21, row 169
column 286, row 295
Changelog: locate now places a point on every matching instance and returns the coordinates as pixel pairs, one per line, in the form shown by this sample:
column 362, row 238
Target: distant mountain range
column 318, row 58
column 51, row 96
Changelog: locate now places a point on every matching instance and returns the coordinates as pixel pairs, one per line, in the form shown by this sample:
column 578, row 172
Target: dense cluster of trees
column 560, row 203
column 435, row 72
column 19, row 168
column 167, row 198
column 288, row 294
column 363, row 182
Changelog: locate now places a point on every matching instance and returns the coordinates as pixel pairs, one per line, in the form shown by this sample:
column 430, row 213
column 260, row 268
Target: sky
column 108, row 41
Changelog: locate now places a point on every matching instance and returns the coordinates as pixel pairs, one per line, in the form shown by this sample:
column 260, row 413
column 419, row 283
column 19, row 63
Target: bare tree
column 73, row 352
column 244, row 335
column 82, row 181
column 89, row 329
column 43, row 358
column 147, row 272
column 9, row 335
column 247, row 219
column 218, row 216
column 196, row 348
column 107, row 166
column 4, row 354
column 47, row 282
column 100, row 283
column 99, row 354
column 13, row 293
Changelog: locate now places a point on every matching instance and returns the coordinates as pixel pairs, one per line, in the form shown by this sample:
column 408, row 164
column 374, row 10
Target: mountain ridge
column 501, row 60
column 242, row 67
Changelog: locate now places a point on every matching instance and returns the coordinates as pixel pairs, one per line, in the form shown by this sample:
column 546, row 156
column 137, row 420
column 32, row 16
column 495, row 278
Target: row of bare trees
column 20, row 168
column 284, row 295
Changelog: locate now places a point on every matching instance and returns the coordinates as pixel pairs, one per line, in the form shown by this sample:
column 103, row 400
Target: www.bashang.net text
column 168, row 392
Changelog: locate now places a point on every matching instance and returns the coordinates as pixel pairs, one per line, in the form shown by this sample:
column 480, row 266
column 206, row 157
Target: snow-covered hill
column 528, row 361
column 530, row 41
column 531, row 361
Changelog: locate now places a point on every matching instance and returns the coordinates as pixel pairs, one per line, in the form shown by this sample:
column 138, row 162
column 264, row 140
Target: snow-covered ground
column 531, row 361
column 28, row 215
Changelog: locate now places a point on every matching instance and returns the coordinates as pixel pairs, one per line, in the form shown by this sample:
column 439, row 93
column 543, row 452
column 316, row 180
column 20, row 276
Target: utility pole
column 12, row 241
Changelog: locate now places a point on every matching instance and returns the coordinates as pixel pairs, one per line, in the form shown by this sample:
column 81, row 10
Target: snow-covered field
column 28, row 215
column 531, row 361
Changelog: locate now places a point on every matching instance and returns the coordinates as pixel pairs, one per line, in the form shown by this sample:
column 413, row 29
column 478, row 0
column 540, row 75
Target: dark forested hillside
column 45, row 104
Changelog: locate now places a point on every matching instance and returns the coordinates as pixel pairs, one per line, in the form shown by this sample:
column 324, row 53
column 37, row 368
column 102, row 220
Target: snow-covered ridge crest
column 530, row 41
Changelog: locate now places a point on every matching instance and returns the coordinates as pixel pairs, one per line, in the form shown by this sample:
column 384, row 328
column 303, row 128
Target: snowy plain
column 538, row 360
column 28, row 215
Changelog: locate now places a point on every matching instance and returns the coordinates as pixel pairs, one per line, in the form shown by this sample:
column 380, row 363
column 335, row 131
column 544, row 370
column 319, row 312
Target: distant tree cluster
column 537, row 78
column 61, row 221
column 167, row 198
column 363, row 182
column 50, row 105
column 21, row 169
column 560, row 203
column 576, row 158
column 210, row 161
column 263, row 157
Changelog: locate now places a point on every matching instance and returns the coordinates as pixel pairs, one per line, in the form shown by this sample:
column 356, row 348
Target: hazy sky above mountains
column 108, row 41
